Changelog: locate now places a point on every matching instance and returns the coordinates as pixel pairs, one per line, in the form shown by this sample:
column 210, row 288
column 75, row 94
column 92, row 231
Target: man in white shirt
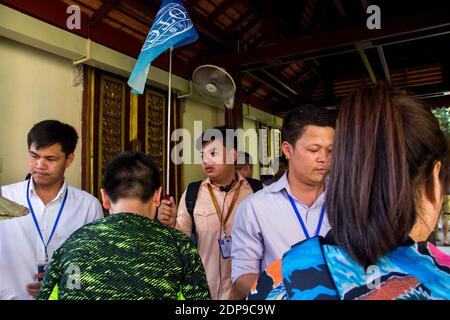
column 56, row 211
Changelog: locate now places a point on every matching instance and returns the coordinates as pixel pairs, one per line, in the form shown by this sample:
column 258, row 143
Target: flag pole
column 169, row 108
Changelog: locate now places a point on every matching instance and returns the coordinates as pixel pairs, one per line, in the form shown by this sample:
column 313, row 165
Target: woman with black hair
column 387, row 181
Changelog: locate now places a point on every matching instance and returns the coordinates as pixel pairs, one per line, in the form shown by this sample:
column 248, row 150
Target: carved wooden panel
column 155, row 130
column 112, row 120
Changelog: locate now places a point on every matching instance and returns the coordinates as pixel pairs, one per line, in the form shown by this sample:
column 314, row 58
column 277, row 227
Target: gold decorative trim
column 91, row 124
column 104, row 78
column 148, row 106
column 133, row 116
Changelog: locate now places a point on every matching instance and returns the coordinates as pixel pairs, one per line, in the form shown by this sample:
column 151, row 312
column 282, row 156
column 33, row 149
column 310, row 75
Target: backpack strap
column 256, row 185
column 191, row 198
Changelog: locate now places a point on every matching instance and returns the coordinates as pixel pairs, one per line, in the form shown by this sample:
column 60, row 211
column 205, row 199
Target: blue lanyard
column 299, row 217
column 37, row 224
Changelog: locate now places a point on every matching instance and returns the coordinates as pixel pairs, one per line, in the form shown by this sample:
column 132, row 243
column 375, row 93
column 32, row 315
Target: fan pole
column 169, row 99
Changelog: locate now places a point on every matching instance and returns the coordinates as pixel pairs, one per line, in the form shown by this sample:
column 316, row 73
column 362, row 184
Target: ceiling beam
column 221, row 8
column 253, row 89
column 360, row 47
column 341, row 11
column 339, row 41
column 384, row 64
column 270, row 25
column 262, row 78
column 320, row 16
column 250, row 24
column 257, row 103
column 247, row 15
column 101, row 12
column 284, row 82
column 304, row 70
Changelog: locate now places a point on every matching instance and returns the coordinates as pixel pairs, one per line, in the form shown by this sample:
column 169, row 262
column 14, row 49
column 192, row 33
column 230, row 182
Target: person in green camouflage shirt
column 127, row 255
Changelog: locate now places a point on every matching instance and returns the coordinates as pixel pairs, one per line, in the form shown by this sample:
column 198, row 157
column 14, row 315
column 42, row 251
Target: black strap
column 191, row 197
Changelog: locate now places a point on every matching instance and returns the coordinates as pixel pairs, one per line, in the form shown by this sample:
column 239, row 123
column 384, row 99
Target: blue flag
column 171, row 27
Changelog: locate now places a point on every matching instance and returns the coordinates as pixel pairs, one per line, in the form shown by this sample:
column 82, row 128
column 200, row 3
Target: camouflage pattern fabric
column 10, row 209
column 316, row 269
column 126, row 256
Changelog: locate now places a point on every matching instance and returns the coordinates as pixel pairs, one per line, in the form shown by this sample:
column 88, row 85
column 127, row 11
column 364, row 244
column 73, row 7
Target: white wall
column 34, row 86
column 191, row 111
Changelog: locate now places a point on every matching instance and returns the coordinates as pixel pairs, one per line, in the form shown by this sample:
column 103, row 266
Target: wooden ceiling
column 286, row 53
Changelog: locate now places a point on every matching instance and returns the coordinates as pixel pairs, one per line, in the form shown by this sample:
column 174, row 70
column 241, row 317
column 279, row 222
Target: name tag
column 42, row 267
column 225, row 247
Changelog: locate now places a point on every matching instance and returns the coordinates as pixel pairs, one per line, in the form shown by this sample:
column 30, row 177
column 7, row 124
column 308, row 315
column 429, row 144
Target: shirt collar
column 58, row 195
column 283, row 184
column 240, row 180
column 280, row 185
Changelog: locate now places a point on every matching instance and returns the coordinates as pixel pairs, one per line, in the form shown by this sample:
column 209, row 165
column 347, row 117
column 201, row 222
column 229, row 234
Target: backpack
column 191, row 197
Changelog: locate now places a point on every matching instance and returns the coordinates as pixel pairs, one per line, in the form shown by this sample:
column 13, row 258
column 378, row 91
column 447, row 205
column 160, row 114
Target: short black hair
column 131, row 175
column 243, row 158
column 217, row 133
column 50, row 132
column 295, row 122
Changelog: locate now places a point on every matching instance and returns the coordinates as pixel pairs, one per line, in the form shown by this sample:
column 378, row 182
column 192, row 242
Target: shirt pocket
column 206, row 221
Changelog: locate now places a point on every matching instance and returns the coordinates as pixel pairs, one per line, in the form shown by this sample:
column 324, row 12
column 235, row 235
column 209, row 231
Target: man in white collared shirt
column 290, row 210
column 56, row 210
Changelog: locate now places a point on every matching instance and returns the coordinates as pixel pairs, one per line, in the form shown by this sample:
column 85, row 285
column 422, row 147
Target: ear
column 70, row 159
column 287, row 149
column 438, row 192
column 429, row 208
column 156, row 199
column 105, row 199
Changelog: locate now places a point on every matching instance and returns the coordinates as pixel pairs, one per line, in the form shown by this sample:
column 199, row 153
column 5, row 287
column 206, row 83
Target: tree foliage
column 443, row 115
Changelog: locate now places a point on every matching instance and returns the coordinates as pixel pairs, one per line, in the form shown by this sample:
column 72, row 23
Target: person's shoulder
column 260, row 196
column 172, row 234
column 168, row 231
column 98, row 224
column 90, row 232
column 14, row 186
column 82, row 195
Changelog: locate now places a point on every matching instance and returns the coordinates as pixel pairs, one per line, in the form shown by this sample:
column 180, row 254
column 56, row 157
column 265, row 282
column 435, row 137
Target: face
column 246, row 171
column 47, row 165
column 309, row 159
column 217, row 161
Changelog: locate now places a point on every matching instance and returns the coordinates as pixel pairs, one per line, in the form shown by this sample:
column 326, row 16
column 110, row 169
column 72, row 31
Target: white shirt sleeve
column 96, row 210
column 247, row 248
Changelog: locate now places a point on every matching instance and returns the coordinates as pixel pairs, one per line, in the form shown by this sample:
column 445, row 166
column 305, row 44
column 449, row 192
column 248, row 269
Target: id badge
column 42, row 267
column 225, row 247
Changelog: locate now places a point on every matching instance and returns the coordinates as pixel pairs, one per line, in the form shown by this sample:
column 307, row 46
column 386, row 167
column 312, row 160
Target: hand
column 33, row 288
column 167, row 213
